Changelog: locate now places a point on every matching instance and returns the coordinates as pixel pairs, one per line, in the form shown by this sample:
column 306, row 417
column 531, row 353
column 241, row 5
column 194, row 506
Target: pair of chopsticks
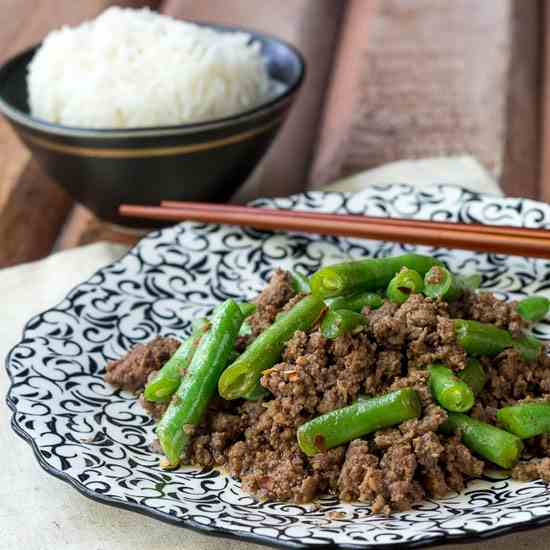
column 516, row 241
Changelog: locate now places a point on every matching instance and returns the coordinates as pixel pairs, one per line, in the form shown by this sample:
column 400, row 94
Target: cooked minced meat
column 391, row 469
column 271, row 300
column 132, row 371
column 487, row 308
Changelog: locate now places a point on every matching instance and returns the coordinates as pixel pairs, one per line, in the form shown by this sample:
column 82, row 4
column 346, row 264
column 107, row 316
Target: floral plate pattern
column 97, row 438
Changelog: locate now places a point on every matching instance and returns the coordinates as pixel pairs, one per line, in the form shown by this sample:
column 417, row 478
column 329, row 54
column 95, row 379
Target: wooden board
column 82, row 227
column 545, row 107
column 435, row 78
column 31, row 217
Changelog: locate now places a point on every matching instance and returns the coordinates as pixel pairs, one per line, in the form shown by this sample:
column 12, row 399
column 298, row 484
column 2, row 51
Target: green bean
column 356, row 302
column 199, row 384
column 300, row 283
column 526, row 419
column 474, row 375
column 240, row 378
column 369, row 274
column 168, row 378
column 246, row 328
column 529, row 347
column 492, row 443
column 256, row 393
column 471, row 282
column 439, row 282
column 481, row 338
column 247, row 308
column 336, row 323
column 533, row 308
column 486, row 339
column 449, row 390
column 362, row 417
column 405, row 283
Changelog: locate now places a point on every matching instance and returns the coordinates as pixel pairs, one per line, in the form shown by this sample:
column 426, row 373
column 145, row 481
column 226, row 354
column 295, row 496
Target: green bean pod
column 439, row 282
column 256, row 393
column 362, row 417
column 356, row 302
column 529, row 347
column 342, row 321
column 471, row 282
column 533, row 308
column 300, row 283
column 486, row 339
column 474, row 375
column 240, row 378
column 168, row 378
column 526, row 419
column 481, row 338
column 368, row 274
column 449, row 390
column 491, row 443
column 247, row 308
column 246, row 329
column 199, row 384
column 403, row 284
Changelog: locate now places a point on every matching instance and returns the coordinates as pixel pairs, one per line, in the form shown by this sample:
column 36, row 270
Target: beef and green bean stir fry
column 385, row 381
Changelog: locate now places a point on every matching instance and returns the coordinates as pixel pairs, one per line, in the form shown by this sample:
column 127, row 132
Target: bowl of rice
column 137, row 107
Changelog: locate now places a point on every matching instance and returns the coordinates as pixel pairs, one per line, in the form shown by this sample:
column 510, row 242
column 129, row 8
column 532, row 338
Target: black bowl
column 205, row 161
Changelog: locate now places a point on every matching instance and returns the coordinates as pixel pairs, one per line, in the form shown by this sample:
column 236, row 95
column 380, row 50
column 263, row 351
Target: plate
column 97, row 438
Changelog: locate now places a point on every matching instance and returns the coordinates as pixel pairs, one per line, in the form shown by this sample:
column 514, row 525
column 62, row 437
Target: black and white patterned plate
column 97, row 438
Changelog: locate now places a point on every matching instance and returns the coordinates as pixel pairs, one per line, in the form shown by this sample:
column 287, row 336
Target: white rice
column 131, row 68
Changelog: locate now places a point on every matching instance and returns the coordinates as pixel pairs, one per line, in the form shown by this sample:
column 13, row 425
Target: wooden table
column 387, row 80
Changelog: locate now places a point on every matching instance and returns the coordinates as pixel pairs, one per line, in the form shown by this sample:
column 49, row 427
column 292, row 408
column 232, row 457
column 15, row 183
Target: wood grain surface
column 545, row 107
column 435, row 78
column 82, row 227
column 31, row 217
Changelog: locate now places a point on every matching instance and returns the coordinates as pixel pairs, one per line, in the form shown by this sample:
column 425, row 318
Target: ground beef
column 269, row 462
column 387, row 483
column 459, row 463
column 388, row 367
column 326, row 467
column 419, row 315
column 384, row 328
column 217, row 432
column 209, row 448
column 485, row 413
column 132, row 371
column 271, row 300
column 532, row 470
column 358, row 463
column 432, row 417
column 422, row 326
column 510, row 379
column 487, row 308
column 391, row 469
column 319, row 375
column 155, row 409
column 418, row 380
column 428, row 450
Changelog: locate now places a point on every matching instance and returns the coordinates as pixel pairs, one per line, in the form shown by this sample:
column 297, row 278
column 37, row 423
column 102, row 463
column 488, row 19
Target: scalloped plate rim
column 223, row 532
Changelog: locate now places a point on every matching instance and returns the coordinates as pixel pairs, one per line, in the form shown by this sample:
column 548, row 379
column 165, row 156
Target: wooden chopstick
column 348, row 226
column 407, row 223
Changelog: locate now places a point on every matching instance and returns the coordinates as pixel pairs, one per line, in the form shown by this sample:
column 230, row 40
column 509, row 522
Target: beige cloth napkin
column 38, row 512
